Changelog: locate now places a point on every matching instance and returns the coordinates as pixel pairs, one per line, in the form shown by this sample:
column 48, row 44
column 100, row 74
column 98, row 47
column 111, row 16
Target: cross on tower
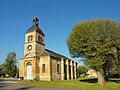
column 35, row 20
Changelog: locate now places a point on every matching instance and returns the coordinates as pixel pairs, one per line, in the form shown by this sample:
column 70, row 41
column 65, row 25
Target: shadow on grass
column 92, row 80
column 114, row 80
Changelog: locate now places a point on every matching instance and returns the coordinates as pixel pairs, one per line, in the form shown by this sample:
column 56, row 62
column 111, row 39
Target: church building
column 43, row 64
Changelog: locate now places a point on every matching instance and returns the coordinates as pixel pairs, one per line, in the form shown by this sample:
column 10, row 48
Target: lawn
column 1, row 79
column 76, row 84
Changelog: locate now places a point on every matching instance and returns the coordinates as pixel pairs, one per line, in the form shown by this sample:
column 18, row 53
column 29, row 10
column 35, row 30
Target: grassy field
column 77, row 84
column 1, row 79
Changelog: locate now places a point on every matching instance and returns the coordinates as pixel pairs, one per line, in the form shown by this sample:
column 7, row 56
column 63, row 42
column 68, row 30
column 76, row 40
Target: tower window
column 31, row 37
column 28, row 38
column 38, row 38
column 43, row 68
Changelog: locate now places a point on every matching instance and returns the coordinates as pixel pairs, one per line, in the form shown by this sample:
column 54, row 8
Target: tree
column 82, row 69
column 1, row 70
column 10, row 67
column 96, row 40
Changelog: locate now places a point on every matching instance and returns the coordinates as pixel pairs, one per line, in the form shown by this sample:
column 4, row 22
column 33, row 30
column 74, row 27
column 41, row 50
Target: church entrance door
column 29, row 70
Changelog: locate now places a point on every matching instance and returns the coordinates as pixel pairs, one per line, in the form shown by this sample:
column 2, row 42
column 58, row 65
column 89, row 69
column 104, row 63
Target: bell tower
column 34, row 40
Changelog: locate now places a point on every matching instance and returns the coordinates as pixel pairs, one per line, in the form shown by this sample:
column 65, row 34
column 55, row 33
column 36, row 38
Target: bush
column 36, row 79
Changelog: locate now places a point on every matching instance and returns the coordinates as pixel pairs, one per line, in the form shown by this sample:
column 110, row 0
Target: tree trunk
column 105, row 70
column 101, row 80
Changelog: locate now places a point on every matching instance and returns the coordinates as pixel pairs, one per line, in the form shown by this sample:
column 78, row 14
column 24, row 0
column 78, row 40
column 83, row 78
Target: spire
column 35, row 21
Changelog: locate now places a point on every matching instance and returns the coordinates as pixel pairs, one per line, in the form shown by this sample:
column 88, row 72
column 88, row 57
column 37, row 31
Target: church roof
column 54, row 54
column 35, row 22
column 35, row 27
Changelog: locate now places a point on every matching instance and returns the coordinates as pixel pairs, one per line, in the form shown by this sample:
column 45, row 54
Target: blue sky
column 56, row 19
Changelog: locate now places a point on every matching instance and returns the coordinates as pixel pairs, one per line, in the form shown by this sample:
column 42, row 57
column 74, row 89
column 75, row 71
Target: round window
column 29, row 47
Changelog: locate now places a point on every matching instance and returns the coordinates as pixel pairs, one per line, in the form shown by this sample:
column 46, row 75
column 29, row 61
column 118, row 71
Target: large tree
column 98, row 41
column 10, row 67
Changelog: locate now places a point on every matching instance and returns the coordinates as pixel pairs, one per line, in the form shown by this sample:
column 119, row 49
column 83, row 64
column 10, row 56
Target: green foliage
column 114, row 69
column 2, row 69
column 95, row 40
column 10, row 67
column 82, row 69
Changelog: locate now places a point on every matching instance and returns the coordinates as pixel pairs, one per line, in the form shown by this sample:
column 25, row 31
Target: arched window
column 28, row 38
column 31, row 37
column 43, row 68
column 58, row 68
column 38, row 38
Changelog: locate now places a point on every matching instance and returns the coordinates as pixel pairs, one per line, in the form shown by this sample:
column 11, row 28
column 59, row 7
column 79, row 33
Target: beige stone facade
column 91, row 73
column 43, row 64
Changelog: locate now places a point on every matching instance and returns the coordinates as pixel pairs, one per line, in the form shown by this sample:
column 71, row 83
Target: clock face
column 29, row 47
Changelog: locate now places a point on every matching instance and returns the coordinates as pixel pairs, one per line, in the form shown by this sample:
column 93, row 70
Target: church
column 43, row 64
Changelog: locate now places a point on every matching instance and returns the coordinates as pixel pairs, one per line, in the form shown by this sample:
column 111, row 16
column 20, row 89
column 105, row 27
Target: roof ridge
column 35, row 27
column 62, row 56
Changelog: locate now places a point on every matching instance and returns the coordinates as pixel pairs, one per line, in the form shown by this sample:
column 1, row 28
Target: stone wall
column 56, row 74
column 47, row 74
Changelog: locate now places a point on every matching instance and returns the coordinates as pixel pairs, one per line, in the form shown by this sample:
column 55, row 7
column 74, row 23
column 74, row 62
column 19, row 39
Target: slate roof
column 53, row 54
column 35, row 27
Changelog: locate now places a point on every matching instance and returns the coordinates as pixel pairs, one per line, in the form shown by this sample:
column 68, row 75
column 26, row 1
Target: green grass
column 80, row 83
column 1, row 79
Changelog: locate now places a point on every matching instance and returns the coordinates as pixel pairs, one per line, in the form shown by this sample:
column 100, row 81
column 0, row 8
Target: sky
column 56, row 19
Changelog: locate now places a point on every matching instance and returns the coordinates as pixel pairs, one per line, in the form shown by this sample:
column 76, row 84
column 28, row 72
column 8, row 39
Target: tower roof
column 35, row 22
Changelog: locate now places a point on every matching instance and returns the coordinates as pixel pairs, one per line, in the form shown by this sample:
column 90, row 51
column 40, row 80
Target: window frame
column 58, row 68
column 29, row 38
column 43, row 68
